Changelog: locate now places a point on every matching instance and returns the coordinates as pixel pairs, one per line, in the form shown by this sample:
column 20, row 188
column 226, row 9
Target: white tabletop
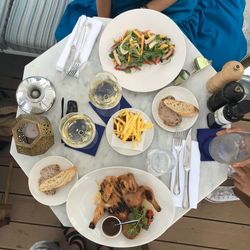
column 212, row 174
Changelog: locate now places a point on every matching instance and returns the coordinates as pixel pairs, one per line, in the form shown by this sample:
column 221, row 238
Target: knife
column 186, row 166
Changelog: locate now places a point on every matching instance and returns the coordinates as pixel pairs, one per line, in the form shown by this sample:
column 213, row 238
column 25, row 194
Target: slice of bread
column 58, row 180
column 180, row 107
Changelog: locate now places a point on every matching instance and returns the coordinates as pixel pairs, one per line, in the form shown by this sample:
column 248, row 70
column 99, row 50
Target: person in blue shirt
column 213, row 26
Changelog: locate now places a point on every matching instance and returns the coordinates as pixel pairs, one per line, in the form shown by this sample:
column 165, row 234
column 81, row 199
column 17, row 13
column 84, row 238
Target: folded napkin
column 204, row 137
column 194, row 177
column 82, row 41
column 117, row 143
column 106, row 114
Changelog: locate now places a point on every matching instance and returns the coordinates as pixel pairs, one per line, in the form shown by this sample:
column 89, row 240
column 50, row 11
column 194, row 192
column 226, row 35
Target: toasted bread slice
column 58, row 180
column 180, row 107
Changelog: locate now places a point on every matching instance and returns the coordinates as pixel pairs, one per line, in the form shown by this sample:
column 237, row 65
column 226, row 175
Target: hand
column 242, row 179
column 229, row 130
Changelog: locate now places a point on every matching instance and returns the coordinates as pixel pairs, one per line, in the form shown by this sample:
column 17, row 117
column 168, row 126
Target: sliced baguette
column 180, row 107
column 58, row 180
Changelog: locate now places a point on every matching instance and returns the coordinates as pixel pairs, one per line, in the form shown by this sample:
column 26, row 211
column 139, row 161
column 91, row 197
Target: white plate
column 61, row 193
column 80, row 207
column 150, row 77
column 179, row 93
column 149, row 134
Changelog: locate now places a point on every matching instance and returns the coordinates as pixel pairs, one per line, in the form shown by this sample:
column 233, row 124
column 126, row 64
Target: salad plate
column 82, row 200
column 149, row 77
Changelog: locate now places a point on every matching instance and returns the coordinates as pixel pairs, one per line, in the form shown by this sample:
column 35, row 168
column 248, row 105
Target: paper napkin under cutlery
column 92, row 27
column 194, row 177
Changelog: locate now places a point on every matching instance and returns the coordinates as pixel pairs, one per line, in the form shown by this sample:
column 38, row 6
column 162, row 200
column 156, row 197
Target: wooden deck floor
column 211, row 226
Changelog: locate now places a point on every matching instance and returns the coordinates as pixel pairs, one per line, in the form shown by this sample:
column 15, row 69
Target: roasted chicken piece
column 99, row 212
column 127, row 184
column 136, row 199
column 119, row 194
column 108, row 186
column 149, row 195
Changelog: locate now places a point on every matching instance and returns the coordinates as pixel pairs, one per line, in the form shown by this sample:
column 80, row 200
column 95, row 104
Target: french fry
column 129, row 126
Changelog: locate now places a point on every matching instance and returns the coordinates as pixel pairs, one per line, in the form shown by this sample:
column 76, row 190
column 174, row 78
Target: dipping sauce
column 109, row 226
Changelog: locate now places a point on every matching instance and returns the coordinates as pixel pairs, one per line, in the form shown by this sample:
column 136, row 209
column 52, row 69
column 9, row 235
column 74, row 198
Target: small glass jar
column 77, row 130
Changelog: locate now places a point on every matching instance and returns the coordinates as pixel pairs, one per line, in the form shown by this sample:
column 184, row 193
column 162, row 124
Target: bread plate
column 61, row 193
column 148, row 136
column 81, row 205
column 181, row 94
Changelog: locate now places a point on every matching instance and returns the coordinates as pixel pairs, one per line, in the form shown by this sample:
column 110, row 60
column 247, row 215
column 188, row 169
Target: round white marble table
column 212, row 174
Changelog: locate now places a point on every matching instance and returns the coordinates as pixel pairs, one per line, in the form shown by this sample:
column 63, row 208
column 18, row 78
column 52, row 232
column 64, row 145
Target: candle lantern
column 33, row 134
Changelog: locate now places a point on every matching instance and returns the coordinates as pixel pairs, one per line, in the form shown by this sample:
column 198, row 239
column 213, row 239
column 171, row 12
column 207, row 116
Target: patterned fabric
column 5, row 6
column 32, row 23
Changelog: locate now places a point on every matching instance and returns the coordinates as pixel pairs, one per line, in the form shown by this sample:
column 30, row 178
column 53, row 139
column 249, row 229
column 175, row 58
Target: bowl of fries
column 130, row 131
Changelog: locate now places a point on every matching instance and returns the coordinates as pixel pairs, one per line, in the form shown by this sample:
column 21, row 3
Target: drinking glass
column 104, row 91
column 77, row 130
column 160, row 161
column 230, row 148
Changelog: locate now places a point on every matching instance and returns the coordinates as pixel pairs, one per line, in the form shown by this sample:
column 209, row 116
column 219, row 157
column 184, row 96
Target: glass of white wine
column 104, row 91
column 77, row 130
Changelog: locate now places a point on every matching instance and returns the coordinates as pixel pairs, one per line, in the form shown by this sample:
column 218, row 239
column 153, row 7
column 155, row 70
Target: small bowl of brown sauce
column 111, row 226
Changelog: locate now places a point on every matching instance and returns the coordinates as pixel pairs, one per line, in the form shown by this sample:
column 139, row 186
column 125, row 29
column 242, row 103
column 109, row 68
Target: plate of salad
column 143, row 48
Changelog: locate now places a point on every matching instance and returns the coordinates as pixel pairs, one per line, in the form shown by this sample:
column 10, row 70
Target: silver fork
column 177, row 144
column 77, row 62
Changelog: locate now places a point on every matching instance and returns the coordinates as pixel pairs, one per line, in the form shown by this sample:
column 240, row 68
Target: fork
column 77, row 62
column 177, row 144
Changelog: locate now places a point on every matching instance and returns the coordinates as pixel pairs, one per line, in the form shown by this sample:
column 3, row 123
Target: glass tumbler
column 160, row 162
column 231, row 147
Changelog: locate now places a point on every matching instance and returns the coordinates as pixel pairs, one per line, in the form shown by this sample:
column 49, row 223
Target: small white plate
column 80, row 207
column 61, row 193
column 179, row 93
column 149, row 134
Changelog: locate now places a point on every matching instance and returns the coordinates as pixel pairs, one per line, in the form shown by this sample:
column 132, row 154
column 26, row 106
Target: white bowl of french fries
column 130, row 131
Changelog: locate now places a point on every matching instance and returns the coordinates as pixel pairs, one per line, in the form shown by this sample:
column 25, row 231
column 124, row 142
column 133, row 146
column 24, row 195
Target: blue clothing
column 213, row 26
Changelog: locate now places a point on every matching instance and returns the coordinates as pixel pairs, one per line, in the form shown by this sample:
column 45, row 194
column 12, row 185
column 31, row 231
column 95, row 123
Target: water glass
column 231, row 147
column 160, row 162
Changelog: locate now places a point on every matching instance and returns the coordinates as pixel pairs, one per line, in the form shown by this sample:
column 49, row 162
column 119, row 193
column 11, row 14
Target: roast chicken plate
column 119, row 194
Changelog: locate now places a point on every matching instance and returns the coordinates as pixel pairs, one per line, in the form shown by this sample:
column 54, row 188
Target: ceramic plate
column 150, row 77
column 61, row 193
column 148, row 135
column 179, row 93
column 80, row 207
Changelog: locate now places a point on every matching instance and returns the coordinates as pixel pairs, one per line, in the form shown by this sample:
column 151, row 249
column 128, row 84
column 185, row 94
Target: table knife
column 186, row 166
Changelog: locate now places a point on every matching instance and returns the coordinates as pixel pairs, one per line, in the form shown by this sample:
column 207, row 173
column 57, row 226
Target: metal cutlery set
column 74, row 58
column 178, row 146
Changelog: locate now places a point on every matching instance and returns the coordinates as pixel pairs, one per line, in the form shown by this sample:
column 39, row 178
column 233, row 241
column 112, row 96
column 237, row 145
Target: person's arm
column 103, row 8
column 159, row 5
column 242, row 179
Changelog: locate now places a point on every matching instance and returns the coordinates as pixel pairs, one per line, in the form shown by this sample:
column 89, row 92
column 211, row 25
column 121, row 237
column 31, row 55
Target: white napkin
column 194, row 177
column 93, row 28
column 117, row 143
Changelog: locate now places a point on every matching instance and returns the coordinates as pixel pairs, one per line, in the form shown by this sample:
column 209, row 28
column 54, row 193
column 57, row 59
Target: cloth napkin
column 105, row 115
column 204, row 137
column 194, row 176
column 93, row 28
